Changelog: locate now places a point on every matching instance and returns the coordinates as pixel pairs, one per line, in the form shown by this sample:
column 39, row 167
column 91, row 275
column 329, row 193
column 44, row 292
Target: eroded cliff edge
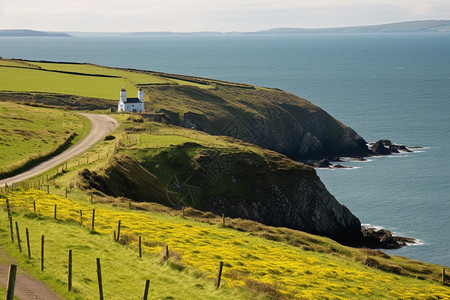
column 265, row 187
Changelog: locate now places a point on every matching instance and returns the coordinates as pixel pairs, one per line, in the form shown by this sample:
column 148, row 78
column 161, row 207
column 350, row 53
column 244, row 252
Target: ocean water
column 394, row 86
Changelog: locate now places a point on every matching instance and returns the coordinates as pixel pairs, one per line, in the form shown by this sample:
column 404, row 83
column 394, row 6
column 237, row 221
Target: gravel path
column 101, row 125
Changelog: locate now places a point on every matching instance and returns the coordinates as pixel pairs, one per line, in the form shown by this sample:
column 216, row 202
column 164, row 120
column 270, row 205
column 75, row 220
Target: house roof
column 133, row 100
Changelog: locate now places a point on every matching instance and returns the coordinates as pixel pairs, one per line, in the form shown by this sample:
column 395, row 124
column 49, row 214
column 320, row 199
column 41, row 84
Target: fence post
column 219, row 274
column 18, row 237
column 140, row 246
column 42, row 253
column 166, row 253
column 28, row 243
column 147, row 284
column 34, row 205
column 66, row 191
column 11, row 282
column 81, row 217
column 99, row 277
column 10, row 220
column 54, row 214
column 69, row 283
column 93, row 219
column 48, row 187
column 118, row 232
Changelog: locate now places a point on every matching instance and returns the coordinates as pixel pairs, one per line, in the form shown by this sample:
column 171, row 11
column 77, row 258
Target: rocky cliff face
column 269, row 118
column 265, row 187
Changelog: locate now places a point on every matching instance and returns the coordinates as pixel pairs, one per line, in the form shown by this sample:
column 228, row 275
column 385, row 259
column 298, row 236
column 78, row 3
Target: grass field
column 277, row 269
column 28, row 133
column 84, row 80
column 123, row 272
column 35, row 80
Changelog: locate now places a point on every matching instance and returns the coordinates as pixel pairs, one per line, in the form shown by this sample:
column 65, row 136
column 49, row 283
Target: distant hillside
column 26, row 32
column 412, row 26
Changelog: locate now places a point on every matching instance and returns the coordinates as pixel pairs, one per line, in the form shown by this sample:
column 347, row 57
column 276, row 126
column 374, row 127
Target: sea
column 384, row 86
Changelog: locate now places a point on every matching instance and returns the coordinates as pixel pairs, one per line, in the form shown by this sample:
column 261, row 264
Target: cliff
column 258, row 185
column 269, row 118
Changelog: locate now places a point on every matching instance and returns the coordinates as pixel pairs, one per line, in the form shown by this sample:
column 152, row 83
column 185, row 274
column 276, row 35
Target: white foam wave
column 373, row 226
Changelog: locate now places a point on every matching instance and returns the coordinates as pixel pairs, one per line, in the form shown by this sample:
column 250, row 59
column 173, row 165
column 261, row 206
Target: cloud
column 196, row 15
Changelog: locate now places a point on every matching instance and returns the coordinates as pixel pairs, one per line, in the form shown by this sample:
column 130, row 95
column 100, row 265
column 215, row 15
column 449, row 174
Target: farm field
column 280, row 269
column 84, row 80
column 29, row 133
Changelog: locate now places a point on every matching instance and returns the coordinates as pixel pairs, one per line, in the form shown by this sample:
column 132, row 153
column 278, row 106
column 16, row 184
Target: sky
column 210, row 15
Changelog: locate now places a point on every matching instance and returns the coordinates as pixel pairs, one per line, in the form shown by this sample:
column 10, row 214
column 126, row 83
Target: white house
column 131, row 104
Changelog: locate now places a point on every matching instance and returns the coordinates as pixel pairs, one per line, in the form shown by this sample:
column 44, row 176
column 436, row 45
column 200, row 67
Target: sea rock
column 323, row 163
column 379, row 148
column 386, row 147
column 381, row 238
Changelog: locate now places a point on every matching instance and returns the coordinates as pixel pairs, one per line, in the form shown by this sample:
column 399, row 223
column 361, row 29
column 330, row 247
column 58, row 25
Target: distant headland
column 423, row 26
column 31, row 33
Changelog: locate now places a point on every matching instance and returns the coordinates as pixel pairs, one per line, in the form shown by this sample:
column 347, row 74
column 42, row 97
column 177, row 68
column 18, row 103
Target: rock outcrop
column 385, row 147
column 381, row 238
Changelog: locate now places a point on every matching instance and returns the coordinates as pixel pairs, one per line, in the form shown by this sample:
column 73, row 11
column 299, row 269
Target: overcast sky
column 210, row 15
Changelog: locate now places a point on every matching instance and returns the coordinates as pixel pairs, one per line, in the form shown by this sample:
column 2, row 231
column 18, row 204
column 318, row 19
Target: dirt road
column 101, row 125
column 27, row 287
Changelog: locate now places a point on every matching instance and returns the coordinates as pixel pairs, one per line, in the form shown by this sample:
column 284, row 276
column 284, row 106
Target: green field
column 84, row 80
column 29, row 133
column 35, row 80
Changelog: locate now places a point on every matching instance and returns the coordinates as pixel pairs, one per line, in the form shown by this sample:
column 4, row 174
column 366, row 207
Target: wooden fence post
column 28, row 242
column 219, row 274
column 99, row 277
column 54, row 214
column 69, row 283
column 66, row 191
column 118, row 232
column 93, row 219
column 34, row 205
column 42, row 253
column 140, row 246
column 18, row 237
column 48, row 188
column 166, row 253
column 147, row 284
column 10, row 221
column 11, row 282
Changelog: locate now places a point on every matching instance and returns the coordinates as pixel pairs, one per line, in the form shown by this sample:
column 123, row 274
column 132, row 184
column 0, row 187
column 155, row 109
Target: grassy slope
column 28, row 133
column 123, row 272
column 280, row 269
